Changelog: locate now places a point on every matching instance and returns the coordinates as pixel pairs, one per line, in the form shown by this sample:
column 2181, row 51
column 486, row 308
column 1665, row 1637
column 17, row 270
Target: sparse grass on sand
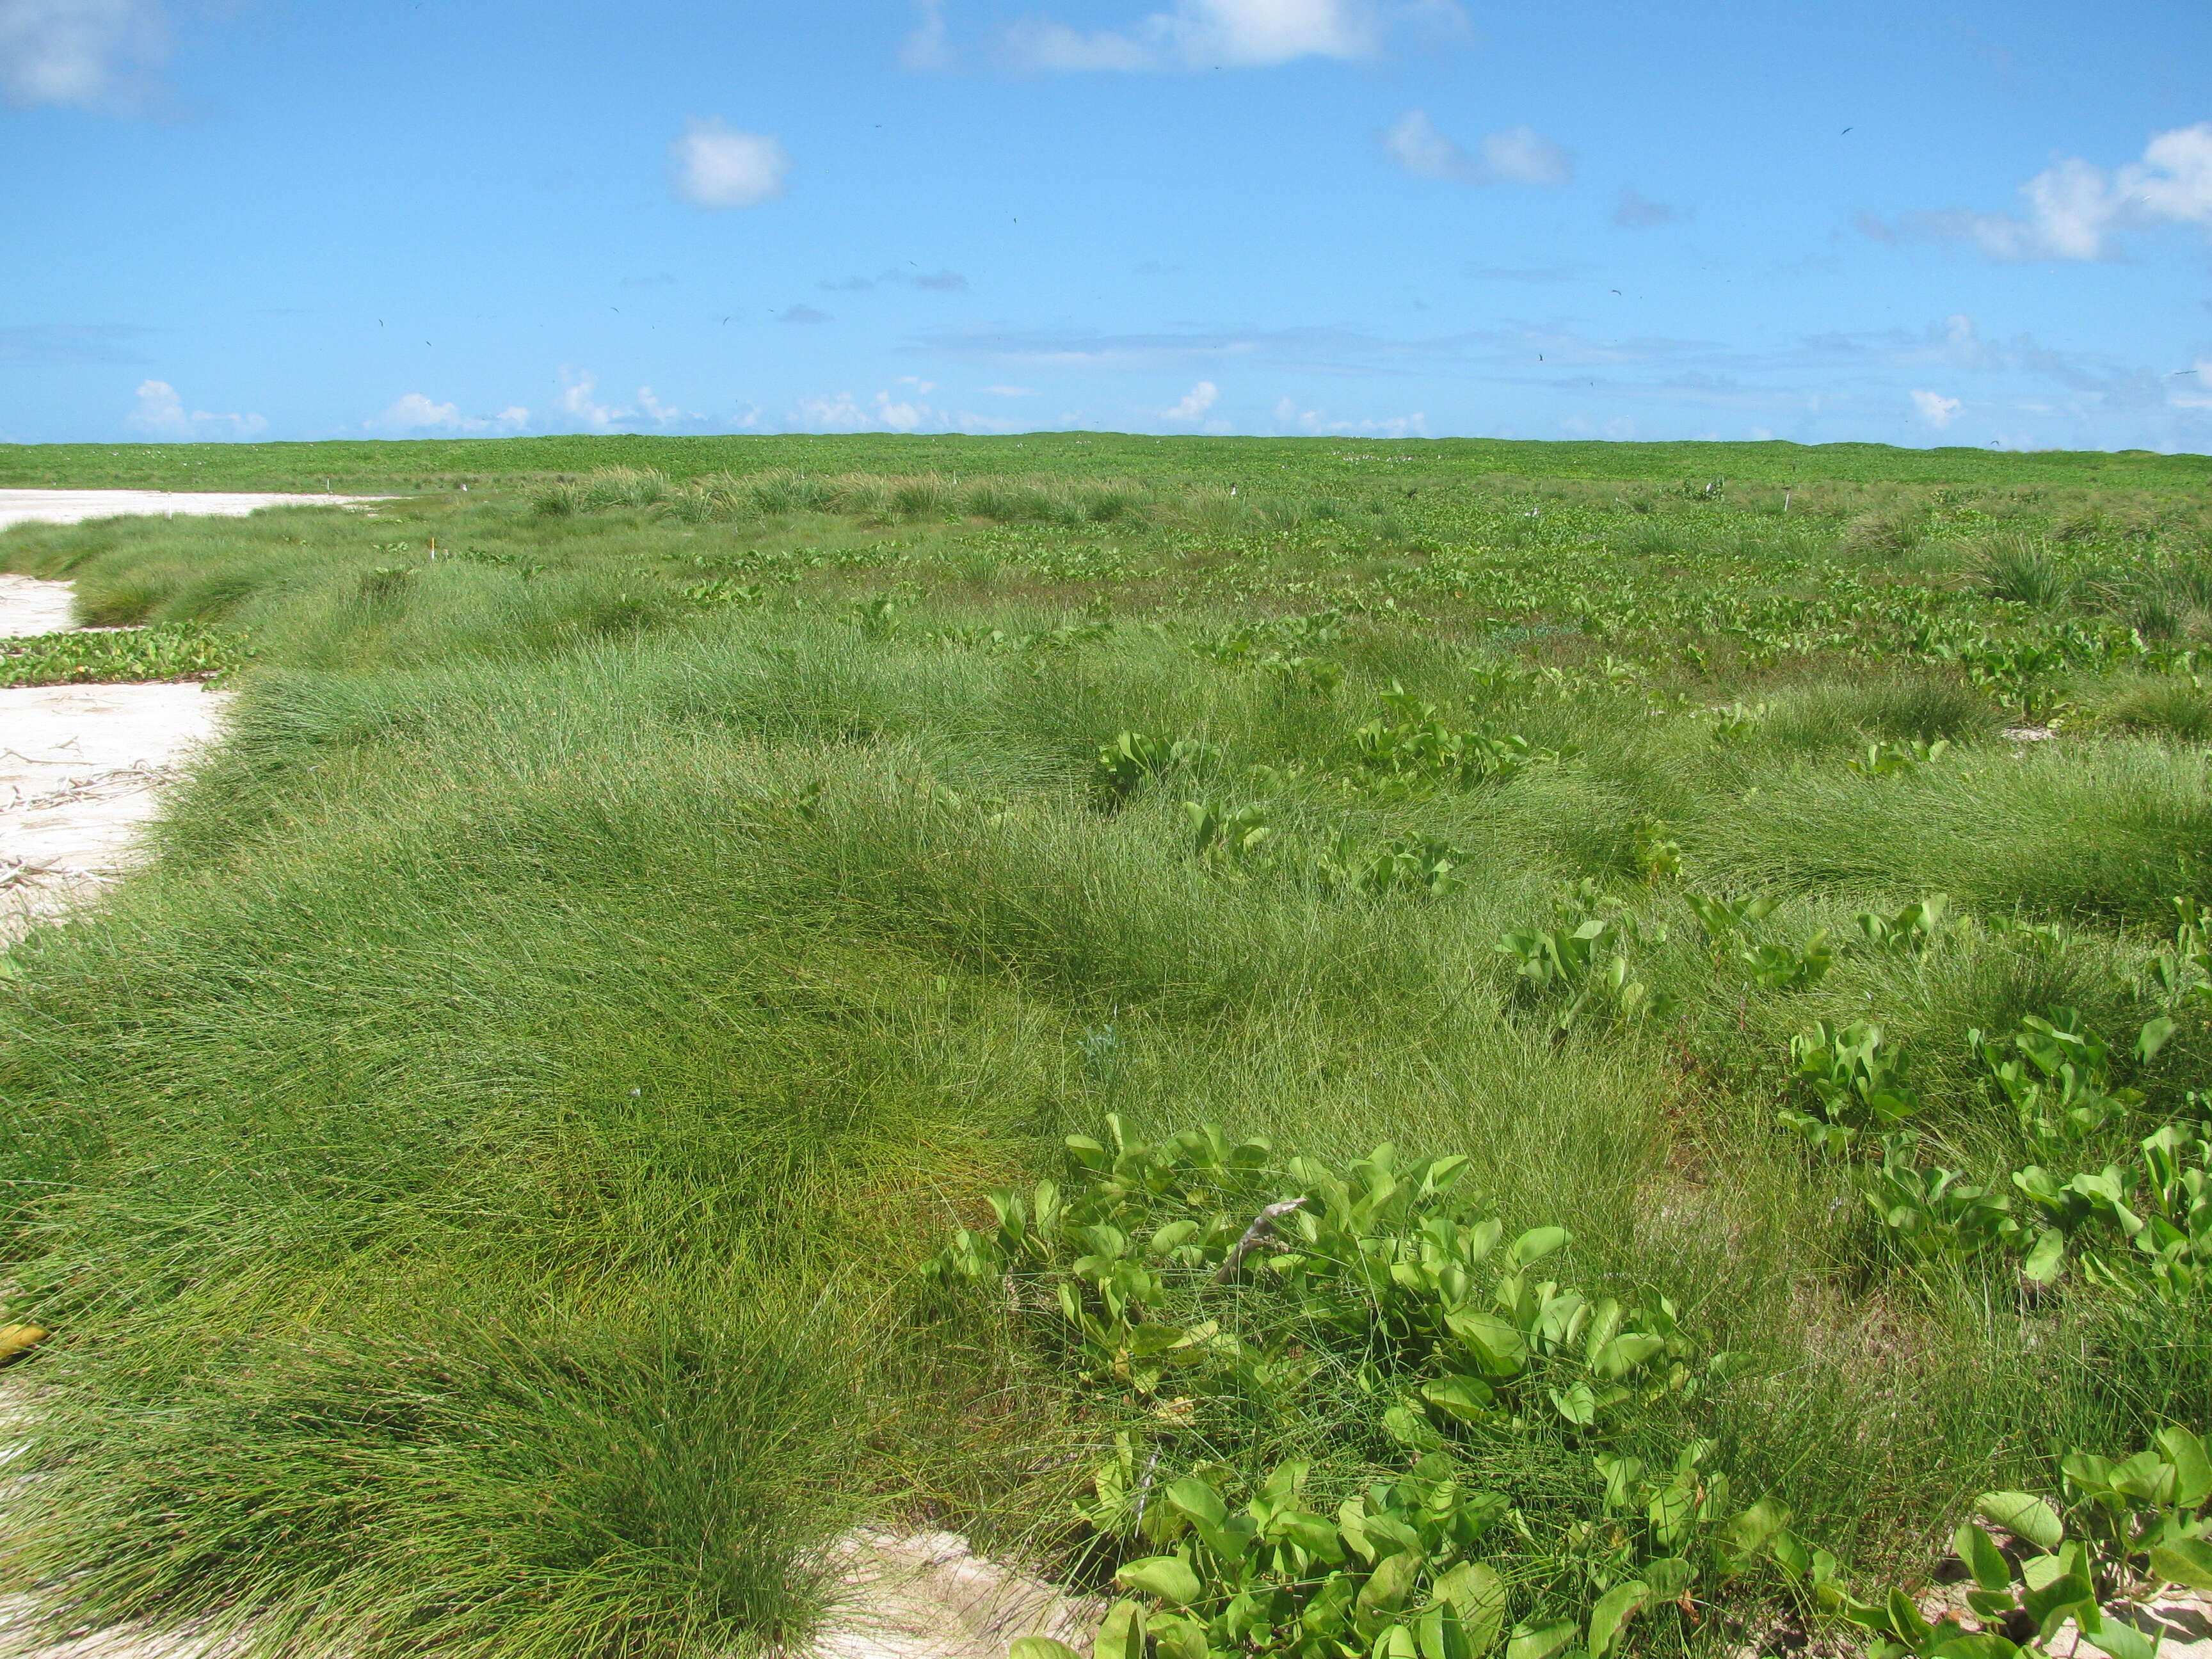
column 478, row 1174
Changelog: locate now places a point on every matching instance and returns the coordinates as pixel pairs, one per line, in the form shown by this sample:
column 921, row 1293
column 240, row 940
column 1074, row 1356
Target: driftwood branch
column 1255, row 1235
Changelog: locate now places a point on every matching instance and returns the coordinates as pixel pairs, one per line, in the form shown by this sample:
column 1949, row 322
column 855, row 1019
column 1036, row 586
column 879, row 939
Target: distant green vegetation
column 1702, row 948
column 1220, row 463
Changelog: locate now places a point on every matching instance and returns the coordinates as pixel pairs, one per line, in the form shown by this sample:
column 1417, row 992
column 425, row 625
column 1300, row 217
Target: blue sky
column 1974, row 224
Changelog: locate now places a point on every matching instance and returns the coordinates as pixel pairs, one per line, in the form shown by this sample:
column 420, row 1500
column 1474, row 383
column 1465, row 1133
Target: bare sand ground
column 29, row 606
column 82, row 767
column 75, row 506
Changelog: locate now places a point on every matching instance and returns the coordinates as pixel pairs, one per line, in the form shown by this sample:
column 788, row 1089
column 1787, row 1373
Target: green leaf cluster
column 1857, row 1079
column 2129, row 1528
column 1414, row 751
column 1576, row 966
column 1212, row 1266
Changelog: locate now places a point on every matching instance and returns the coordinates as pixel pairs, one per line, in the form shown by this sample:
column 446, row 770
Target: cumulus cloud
column 1290, row 418
column 1200, row 34
column 838, row 414
column 415, row 412
column 927, row 47
column 1516, row 155
column 2074, row 208
column 1633, row 210
column 803, row 315
column 886, row 412
column 1935, row 410
column 715, row 166
column 578, row 406
column 1195, row 402
column 1522, row 155
column 578, row 401
column 160, row 413
column 85, row 54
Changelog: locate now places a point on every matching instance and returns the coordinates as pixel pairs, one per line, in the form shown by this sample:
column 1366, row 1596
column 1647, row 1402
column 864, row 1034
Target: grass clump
column 484, row 1175
column 2024, row 572
column 602, row 1488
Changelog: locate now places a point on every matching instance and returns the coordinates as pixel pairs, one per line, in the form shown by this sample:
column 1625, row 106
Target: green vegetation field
column 1699, row 947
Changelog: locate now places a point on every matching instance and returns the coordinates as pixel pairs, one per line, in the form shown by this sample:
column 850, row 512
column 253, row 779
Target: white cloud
column 1010, row 390
column 578, row 404
column 1414, row 144
column 1041, row 43
column 715, row 166
column 659, row 413
column 1516, row 155
column 885, row 412
column 926, row 47
column 1202, row 34
column 900, row 416
column 2075, row 208
column 1195, row 402
column 576, row 401
column 1935, row 410
column 1522, row 155
column 91, row 54
column 161, row 414
column 416, row 413
column 1633, row 210
column 413, row 412
column 837, row 414
column 1290, row 416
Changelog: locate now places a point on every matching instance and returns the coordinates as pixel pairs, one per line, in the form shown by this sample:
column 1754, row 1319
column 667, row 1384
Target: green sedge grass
column 477, row 1172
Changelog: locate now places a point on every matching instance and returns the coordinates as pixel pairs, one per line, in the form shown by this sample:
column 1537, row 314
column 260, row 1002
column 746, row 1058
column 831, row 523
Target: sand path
column 81, row 768
column 75, row 506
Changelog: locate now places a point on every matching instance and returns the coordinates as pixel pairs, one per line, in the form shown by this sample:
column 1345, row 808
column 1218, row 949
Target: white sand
column 81, row 768
column 75, row 506
column 29, row 607
column 927, row 1595
column 80, row 765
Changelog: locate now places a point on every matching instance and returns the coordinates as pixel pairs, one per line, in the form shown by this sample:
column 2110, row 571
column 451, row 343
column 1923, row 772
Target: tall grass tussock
column 481, row 1173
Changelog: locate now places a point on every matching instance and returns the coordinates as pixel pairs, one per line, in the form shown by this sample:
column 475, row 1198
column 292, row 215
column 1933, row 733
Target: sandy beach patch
column 75, row 506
